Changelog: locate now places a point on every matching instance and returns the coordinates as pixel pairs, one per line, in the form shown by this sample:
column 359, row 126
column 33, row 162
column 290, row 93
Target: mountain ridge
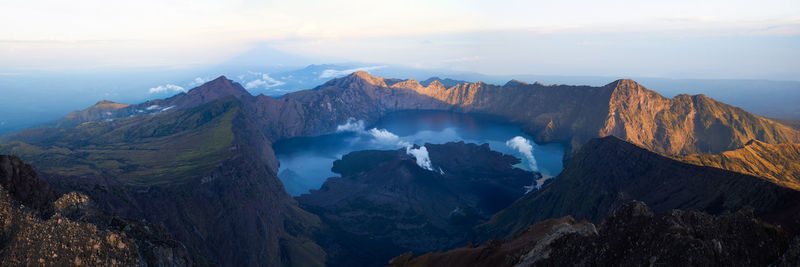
column 211, row 150
column 608, row 171
column 778, row 163
column 567, row 114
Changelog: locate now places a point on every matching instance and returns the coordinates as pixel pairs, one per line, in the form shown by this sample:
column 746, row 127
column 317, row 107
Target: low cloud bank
column 167, row 88
column 265, row 81
column 330, row 73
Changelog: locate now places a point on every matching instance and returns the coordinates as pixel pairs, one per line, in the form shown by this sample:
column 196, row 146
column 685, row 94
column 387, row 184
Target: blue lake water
column 305, row 162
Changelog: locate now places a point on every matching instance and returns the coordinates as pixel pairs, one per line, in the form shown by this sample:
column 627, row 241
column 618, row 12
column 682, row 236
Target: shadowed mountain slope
column 608, row 172
column 41, row 227
column 631, row 236
column 385, row 203
column 206, row 172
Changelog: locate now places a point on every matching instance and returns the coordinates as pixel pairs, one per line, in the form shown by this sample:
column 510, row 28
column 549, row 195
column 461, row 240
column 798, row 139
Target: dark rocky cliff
column 609, row 171
column 40, row 227
column 631, row 236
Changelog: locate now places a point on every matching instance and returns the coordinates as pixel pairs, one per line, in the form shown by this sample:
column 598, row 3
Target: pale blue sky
column 682, row 39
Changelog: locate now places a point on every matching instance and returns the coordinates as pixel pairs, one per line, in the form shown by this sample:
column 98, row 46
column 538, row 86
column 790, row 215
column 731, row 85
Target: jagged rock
column 75, row 234
column 18, row 180
column 631, row 236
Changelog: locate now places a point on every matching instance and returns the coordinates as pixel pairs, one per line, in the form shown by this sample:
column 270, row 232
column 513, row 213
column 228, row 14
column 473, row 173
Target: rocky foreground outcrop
column 70, row 231
column 631, row 236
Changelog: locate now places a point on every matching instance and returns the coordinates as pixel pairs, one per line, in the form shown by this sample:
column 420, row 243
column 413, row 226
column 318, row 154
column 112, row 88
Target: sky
column 680, row 39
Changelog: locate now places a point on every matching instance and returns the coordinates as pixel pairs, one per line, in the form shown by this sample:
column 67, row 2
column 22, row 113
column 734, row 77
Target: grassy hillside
column 141, row 150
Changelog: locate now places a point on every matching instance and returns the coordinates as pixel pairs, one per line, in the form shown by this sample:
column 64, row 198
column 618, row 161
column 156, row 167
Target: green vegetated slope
column 141, row 150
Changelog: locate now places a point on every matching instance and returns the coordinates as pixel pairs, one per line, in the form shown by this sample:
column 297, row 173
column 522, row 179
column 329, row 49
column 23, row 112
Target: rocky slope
column 778, row 163
column 215, row 89
column 319, row 111
column 558, row 113
column 573, row 114
column 206, row 173
column 686, row 124
column 631, row 236
column 608, row 172
column 385, row 203
column 104, row 109
column 38, row 229
column 204, row 157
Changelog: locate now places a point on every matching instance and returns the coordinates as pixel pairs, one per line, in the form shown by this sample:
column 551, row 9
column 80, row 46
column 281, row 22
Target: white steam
column 525, row 148
column 387, row 138
column 421, row 154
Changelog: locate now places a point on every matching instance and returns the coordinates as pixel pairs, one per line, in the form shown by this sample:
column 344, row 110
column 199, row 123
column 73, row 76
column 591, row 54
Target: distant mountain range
column 37, row 98
column 201, row 162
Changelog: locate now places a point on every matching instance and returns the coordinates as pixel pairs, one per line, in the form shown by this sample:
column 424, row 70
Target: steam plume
column 525, row 148
column 421, row 154
column 385, row 137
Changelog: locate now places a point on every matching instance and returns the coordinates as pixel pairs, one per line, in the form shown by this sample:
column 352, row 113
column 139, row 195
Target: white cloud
column 383, row 136
column 352, row 125
column 264, row 81
column 198, row 81
column 166, row 88
column 330, row 73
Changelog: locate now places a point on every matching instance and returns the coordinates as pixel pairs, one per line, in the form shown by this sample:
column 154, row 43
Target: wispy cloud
column 351, row 125
column 330, row 73
column 167, row 88
column 264, row 81
column 198, row 81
